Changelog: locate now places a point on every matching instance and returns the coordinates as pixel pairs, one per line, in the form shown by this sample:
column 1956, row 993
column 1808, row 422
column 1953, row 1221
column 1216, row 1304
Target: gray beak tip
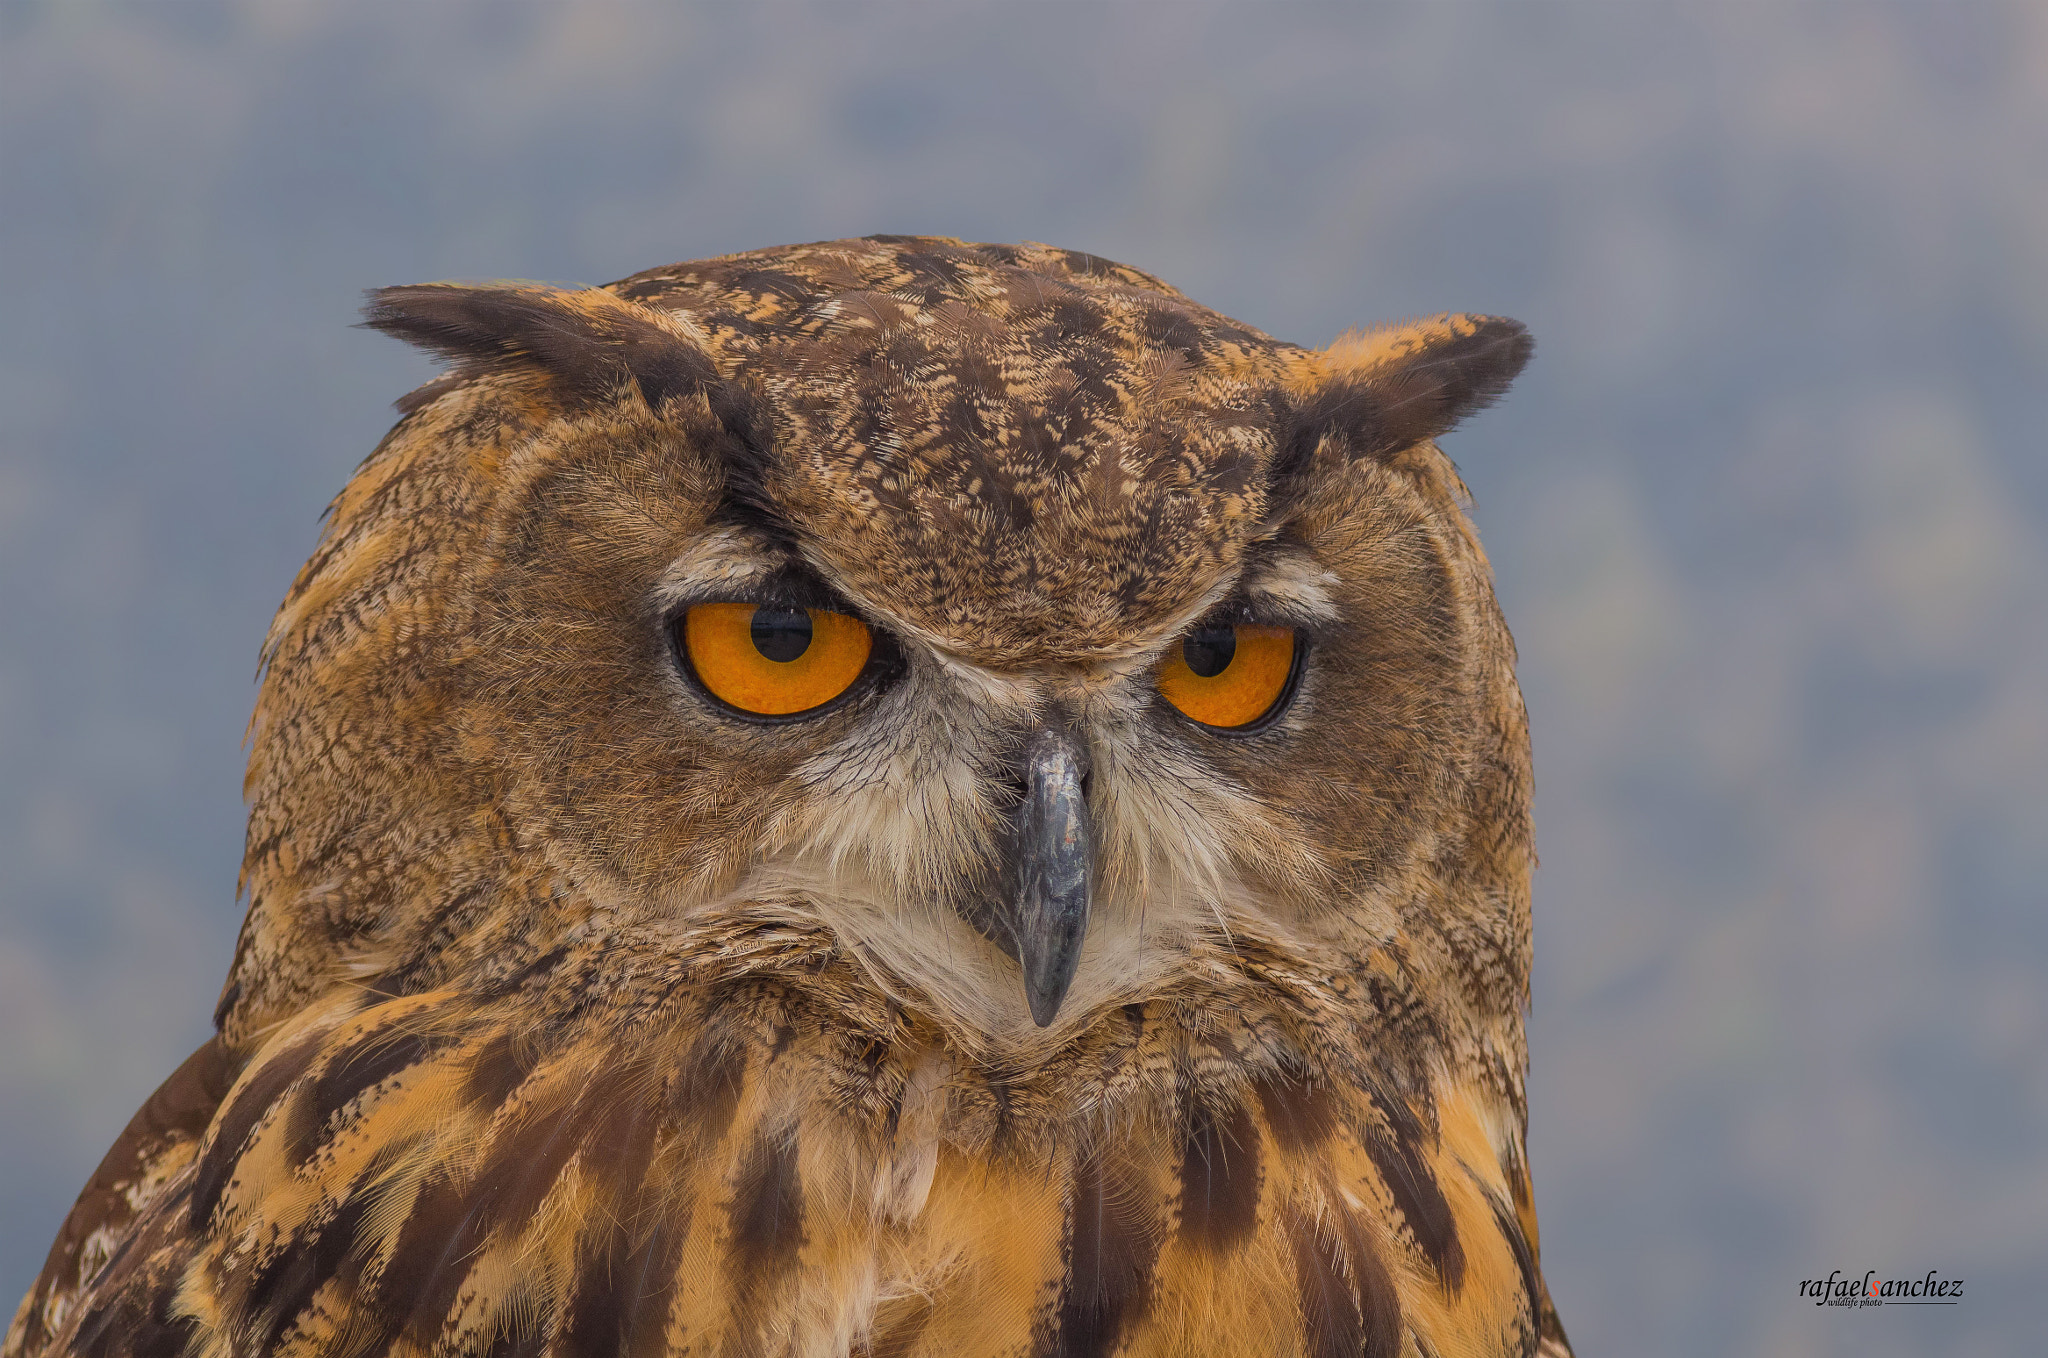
column 1055, row 860
column 1045, row 1003
column 1050, row 949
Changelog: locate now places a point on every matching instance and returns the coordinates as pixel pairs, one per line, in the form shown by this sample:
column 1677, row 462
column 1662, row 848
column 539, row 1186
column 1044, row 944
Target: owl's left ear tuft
column 1385, row 390
column 588, row 344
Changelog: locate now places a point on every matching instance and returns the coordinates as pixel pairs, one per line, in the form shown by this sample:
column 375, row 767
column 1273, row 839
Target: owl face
column 1028, row 626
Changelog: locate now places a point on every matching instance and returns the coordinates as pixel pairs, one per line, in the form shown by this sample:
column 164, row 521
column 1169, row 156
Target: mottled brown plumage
column 574, row 1016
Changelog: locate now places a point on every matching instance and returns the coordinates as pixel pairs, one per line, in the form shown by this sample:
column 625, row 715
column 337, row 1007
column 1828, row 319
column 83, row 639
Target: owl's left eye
column 1231, row 678
column 767, row 660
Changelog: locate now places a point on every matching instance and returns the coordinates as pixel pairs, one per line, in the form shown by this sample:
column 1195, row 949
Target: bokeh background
column 1769, row 511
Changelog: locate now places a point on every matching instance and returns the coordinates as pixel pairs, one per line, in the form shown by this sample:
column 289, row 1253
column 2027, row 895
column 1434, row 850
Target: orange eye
column 772, row 661
column 1229, row 677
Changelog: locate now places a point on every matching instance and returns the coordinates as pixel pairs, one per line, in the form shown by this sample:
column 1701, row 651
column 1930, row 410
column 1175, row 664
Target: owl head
column 1045, row 641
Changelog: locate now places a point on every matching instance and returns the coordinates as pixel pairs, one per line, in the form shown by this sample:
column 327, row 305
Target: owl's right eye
column 769, row 660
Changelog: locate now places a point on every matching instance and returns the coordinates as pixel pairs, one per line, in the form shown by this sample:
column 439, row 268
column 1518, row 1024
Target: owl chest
column 1267, row 1225
column 474, row 1191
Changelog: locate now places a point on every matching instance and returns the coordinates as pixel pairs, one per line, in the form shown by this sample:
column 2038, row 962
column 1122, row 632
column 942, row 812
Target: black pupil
column 782, row 634
column 1209, row 650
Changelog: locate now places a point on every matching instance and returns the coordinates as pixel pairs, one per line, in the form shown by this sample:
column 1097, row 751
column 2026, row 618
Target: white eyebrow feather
column 1296, row 583
column 725, row 556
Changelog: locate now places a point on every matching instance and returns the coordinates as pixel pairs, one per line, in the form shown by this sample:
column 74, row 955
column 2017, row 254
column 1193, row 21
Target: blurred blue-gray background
column 1769, row 511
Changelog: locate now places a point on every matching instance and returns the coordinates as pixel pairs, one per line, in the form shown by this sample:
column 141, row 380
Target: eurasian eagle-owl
column 882, row 797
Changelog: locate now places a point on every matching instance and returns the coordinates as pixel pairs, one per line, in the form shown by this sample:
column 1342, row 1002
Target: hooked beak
column 1054, row 868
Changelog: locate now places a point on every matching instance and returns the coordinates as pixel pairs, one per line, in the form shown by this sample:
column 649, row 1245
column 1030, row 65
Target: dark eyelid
column 1249, row 606
column 789, row 587
column 1249, row 611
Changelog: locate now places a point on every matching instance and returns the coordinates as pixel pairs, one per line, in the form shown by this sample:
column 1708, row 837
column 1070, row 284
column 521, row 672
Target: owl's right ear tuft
column 1380, row 392
column 589, row 344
